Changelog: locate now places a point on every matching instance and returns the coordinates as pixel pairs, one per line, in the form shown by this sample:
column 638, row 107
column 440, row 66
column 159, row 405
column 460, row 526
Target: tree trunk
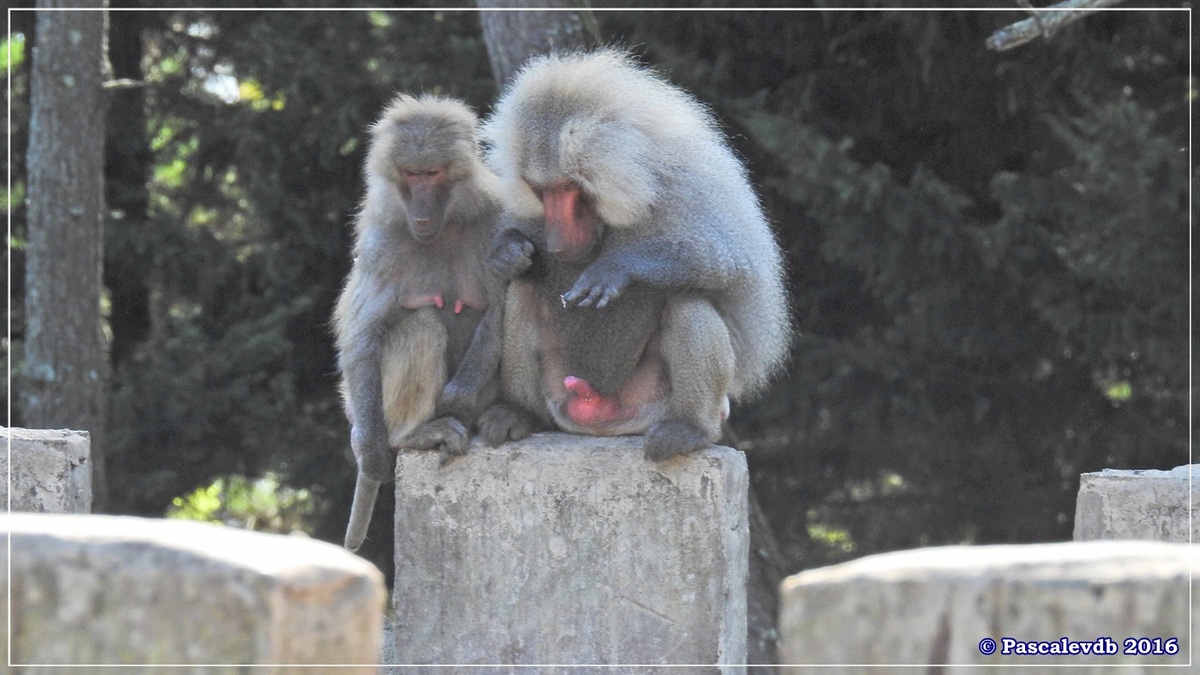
column 127, row 169
column 513, row 37
column 65, row 371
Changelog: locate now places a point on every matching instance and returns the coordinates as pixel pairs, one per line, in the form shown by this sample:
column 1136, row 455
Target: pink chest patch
column 439, row 301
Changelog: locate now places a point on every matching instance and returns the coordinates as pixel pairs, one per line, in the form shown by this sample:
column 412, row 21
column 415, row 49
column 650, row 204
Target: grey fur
column 681, row 224
column 395, row 351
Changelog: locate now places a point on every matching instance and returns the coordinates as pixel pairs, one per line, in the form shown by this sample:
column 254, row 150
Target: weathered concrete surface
column 387, row 648
column 1137, row 504
column 935, row 605
column 565, row 549
column 51, row 471
column 121, row 590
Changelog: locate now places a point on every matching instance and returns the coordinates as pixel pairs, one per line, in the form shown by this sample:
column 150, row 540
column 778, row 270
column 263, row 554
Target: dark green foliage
column 988, row 254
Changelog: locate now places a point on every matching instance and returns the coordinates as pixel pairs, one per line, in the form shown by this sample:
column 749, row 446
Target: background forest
column 988, row 254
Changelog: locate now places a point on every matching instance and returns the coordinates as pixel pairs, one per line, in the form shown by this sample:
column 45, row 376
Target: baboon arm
column 368, row 431
column 361, row 353
column 464, row 395
column 475, row 383
column 656, row 263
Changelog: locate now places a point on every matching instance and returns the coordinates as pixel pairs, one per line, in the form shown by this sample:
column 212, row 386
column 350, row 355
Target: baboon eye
column 422, row 173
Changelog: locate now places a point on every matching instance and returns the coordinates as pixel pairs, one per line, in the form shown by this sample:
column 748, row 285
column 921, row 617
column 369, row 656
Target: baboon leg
column 698, row 353
column 520, row 370
column 413, row 369
column 413, row 366
column 412, row 385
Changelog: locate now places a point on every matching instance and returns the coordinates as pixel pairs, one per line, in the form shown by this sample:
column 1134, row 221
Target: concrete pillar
column 1137, row 504
column 50, row 469
column 955, row 605
column 564, row 549
column 108, row 590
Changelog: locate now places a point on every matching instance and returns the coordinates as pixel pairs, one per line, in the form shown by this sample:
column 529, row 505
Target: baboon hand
column 502, row 423
column 600, row 284
column 511, row 253
column 375, row 458
column 445, row 434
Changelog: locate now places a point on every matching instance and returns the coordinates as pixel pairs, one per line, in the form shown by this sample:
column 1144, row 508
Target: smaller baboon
column 648, row 287
column 418, row 293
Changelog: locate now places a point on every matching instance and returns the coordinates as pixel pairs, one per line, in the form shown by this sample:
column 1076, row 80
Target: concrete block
column 937, row 606
column 51, row 471
column 565, row 549
column 1137, row 504
column 89, row 589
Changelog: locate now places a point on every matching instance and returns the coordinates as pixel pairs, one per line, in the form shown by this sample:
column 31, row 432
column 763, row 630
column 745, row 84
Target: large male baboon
column 417, row 291
column 648, row 286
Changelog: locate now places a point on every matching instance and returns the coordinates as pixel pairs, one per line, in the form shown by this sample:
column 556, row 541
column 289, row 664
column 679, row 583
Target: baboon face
column 587, row 171
column 573, row 231
column 425, row 148
column 425, row 192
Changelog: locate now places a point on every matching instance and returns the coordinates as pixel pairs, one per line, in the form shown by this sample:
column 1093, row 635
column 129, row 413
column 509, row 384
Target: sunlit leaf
column 249, row 90
column 170, row 174
column 1119, row 391
column 15, row 198
column 12, row 52
column 263, row 504
column 831, row 537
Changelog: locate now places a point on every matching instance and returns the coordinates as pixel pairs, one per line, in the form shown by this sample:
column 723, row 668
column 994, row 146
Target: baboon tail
column 365, row 492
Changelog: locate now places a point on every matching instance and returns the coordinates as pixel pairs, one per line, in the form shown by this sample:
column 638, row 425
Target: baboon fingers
column 448, row 453
column 597, row 286
column 510, row 255
column 502, row 423
column 444, row 434
column 588, row 297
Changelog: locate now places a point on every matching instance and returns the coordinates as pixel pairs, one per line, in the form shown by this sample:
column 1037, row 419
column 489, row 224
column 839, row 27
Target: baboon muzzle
column 424, row 212
column 570, row 224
